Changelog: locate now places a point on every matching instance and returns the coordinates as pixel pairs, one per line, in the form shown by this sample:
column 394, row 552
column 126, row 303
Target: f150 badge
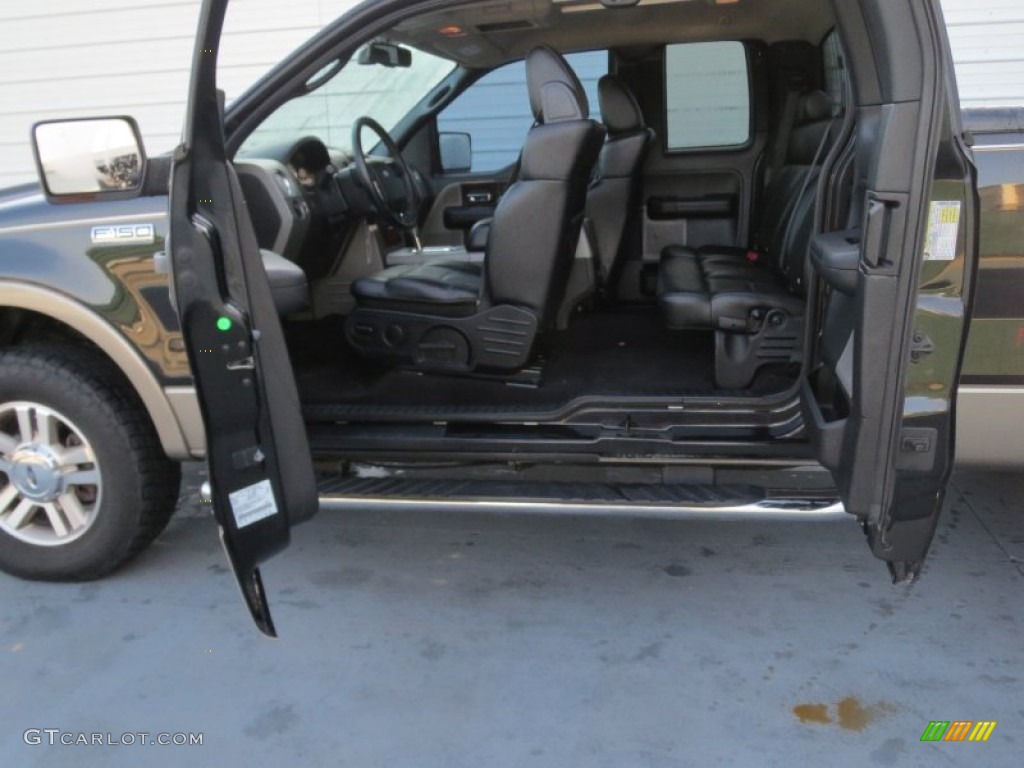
column 124, row 234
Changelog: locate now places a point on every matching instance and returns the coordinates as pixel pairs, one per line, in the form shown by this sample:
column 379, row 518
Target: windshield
column 385, row 93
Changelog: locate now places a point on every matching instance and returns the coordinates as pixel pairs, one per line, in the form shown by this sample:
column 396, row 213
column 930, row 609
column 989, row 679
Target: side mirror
column 82, row 160
column 456, row 152
column 385, row 55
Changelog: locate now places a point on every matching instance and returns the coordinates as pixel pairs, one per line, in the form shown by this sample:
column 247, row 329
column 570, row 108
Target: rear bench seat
column 755, row 305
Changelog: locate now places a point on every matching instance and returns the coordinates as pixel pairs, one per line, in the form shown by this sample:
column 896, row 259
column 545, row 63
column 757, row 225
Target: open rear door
column 896, row 289
column 260, row 467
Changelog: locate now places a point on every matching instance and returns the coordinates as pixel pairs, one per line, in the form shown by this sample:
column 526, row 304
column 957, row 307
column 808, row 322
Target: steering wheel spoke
column 390, row 181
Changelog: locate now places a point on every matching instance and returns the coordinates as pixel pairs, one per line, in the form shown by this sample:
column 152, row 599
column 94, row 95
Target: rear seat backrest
column 611, row 197
column 814, row 119
column 610, row 228
column 809, row 145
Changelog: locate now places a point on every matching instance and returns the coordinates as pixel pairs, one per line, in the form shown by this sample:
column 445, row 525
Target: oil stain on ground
column 850, row 714
column 812, row 713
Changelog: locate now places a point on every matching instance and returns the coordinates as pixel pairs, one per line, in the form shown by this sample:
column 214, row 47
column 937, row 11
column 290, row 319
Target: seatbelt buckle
column 753, row 257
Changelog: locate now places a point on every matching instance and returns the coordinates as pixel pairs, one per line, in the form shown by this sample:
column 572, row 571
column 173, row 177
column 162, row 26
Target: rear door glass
column 707, row 95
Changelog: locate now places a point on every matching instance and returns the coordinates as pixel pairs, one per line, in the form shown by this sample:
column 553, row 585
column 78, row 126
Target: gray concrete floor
column 451, row 640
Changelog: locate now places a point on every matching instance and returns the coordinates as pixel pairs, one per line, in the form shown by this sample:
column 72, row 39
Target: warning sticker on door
column 943, row 230
column 254, row 503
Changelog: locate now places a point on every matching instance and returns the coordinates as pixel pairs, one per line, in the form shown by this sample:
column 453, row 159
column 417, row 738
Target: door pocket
column 825, row 393
column 706, row 206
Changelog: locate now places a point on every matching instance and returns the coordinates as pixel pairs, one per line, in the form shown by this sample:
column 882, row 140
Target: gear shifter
column 415, row 231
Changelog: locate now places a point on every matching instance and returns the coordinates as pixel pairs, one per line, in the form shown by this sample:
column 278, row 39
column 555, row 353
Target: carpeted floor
column 612, row 353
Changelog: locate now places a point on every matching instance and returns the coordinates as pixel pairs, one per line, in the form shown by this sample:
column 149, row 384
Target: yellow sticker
column 943, row 230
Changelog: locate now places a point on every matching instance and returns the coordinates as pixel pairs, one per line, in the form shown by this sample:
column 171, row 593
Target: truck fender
column 174, row 411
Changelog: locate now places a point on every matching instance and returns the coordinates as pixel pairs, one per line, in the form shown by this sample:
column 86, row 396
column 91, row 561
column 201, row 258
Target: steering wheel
column 389, row 181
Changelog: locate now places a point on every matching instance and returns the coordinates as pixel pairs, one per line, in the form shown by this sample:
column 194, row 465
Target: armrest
column 836, row 258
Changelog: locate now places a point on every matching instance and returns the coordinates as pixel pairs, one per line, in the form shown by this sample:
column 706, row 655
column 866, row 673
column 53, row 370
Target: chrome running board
column 781, row 510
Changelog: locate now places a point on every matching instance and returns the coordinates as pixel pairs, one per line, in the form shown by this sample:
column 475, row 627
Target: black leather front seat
column 451, row 317
column 611, row 202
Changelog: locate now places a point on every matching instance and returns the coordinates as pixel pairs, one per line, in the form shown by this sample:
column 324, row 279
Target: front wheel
column 84, row 483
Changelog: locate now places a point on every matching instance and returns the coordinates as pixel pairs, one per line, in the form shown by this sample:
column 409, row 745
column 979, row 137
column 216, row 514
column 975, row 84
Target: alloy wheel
column 50, row 482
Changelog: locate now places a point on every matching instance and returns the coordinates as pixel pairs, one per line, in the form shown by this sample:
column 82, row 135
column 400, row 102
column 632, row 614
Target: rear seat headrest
column 814, row 121
column 620, row 111
column 555, row 91
column 814, row 106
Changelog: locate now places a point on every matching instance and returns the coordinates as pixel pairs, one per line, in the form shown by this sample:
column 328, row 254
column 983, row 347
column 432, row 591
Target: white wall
column 66, row 58
column 987, row 38
column 74, row 58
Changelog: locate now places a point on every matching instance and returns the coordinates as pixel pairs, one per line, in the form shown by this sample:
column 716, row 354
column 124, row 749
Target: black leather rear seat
column 721, row 288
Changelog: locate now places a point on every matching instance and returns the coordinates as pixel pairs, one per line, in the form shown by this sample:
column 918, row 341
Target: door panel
column 880, row 404
column 261, row 471
column 691, row 209
column 478, row 200
column 458, row 206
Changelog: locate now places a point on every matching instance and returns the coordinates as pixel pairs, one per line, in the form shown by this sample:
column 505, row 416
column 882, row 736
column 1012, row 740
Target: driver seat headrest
column 555, row 91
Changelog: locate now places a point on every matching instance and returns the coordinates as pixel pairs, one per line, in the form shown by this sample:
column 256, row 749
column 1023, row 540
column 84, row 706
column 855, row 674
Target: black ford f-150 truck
column 731, row 273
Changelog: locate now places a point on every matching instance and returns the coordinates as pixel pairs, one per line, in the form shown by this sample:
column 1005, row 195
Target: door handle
column 479, row 198
column 881, row 230
column 875, row 233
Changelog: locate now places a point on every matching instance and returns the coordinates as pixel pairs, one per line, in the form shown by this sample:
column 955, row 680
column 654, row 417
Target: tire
column 84, row 483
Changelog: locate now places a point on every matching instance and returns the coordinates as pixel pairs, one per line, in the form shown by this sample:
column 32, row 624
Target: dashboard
column 305, row 198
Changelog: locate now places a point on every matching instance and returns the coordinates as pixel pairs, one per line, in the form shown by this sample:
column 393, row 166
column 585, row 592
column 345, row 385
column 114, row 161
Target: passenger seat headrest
column 555, row 91
column 620, row 112
column 814, row 106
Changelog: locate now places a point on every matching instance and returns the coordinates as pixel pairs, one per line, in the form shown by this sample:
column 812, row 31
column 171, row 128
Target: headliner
column 496, row 31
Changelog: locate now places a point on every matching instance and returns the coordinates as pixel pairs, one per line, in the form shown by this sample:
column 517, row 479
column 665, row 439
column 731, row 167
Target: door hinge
column 920, row 346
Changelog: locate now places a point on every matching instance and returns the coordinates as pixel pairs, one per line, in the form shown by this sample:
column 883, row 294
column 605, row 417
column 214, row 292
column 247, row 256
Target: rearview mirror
column 81, row 160
column 385, row 55
column 456, row 152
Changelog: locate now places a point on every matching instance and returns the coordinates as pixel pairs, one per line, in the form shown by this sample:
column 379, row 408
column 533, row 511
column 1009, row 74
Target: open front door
column 260, row 467
column 897, row 285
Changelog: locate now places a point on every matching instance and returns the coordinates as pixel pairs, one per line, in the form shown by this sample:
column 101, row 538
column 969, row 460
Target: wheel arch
column 174, row 411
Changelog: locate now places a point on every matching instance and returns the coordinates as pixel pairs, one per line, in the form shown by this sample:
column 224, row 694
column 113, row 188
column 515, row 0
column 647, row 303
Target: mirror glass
column 87, row 156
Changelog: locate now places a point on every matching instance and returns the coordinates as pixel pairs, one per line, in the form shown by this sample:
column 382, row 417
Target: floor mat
column 623, row 353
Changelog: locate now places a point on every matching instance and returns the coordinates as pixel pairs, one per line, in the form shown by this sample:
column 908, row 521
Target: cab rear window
column 707, row 95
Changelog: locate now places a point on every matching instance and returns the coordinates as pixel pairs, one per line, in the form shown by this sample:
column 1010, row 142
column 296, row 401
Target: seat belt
column 777, row 157
column 803, row 187
column 817, row 157
column 778, row 150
